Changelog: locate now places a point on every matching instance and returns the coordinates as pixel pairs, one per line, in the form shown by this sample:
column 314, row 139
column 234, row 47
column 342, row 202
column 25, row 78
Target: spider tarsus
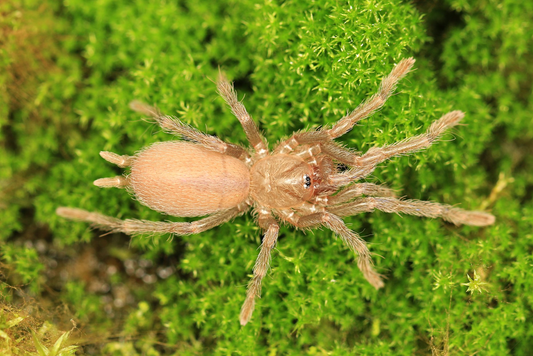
column 406, row 64
column 246, row 311
column 378, row 284
column 75, row 214
column 389, row 83
column 72, row 213
column 474, row 218
column 402, row 68
column 102, row 221
column 143, row 108
column 445, row 122
column 374, row 278
column 225, row 88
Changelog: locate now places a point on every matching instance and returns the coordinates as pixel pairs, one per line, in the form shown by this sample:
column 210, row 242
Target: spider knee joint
column 326, row 218
column 373, row 203
column 194, row 228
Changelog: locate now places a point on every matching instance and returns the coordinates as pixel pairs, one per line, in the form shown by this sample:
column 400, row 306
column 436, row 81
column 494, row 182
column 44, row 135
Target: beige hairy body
column 297, row 183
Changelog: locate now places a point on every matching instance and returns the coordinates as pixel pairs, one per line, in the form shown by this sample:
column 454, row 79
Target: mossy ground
column 69, row 70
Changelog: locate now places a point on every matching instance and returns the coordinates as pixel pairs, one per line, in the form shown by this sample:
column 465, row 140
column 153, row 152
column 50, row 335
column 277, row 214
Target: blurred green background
column 68, row 70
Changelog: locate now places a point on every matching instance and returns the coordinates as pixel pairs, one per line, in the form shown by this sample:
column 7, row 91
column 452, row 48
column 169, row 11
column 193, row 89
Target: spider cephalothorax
column 297, row 182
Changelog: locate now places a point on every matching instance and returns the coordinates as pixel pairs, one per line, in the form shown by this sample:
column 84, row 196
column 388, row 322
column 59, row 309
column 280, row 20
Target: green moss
column 299, row 64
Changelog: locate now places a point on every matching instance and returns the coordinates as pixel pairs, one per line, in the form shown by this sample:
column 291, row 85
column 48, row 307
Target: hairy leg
column 176, row 127
column 269, row 224
column 428, row 209
column 365, row 164
column 227, row 91
column 344, row 125
column 357, row 190
column 353, row 240
column 308, row 153
column 133, row 227
column 367, row 108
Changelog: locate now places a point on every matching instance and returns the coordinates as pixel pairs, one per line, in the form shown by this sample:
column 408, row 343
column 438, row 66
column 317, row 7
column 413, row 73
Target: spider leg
column 308, row 153
column 176, row 127
column 227, row 91
column 133, row 227
column 357, row 190
column 365, row 109
column 428, row 209
column 350, row 238
column 365, row 164
column 267, row 222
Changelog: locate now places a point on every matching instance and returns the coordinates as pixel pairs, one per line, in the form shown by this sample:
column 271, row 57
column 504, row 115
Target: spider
column 297, row 182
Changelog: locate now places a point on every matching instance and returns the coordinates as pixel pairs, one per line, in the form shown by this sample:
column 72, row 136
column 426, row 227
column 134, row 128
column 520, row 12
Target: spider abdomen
column 185, row 179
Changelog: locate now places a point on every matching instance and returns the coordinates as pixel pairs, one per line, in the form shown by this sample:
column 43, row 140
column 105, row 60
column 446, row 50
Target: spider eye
column 307, row 181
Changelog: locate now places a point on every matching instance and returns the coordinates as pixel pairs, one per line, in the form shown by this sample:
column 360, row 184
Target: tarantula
column 297, row 182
